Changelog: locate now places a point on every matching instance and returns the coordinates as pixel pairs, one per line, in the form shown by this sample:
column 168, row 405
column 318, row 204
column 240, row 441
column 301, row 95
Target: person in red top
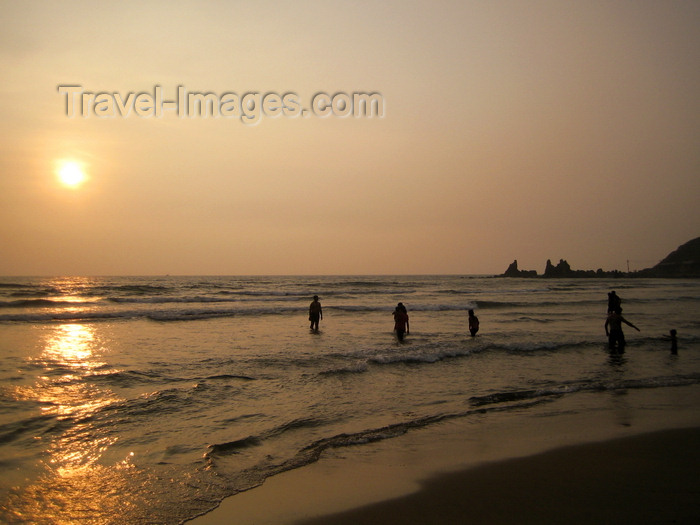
column 401, row 321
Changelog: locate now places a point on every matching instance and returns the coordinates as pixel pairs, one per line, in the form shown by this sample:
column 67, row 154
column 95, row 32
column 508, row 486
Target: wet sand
column 651, row 478
column 647, row 478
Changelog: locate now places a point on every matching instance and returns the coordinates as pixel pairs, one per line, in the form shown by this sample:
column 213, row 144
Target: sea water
column 149, row 399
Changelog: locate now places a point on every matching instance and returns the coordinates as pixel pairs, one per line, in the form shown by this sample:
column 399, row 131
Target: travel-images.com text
column 249, row 108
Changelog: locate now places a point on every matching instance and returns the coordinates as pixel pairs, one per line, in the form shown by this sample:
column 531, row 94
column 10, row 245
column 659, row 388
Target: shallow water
column 147, row 400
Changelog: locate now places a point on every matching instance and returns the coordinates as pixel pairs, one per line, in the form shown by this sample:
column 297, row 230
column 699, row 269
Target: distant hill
column 683, row 262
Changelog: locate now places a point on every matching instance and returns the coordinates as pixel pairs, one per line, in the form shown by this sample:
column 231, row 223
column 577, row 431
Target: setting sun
column 71, row 173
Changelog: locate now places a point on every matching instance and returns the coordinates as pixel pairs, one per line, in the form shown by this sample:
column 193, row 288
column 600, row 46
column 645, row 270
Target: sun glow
column 71, row 173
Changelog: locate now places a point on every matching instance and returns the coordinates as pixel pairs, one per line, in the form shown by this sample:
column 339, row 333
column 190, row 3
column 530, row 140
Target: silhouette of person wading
column 613, row 329
column 473, row 323
column 315, row 313
column 614, row 301
column 400, row 321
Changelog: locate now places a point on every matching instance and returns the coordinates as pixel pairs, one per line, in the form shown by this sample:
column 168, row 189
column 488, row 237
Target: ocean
column 150, row 399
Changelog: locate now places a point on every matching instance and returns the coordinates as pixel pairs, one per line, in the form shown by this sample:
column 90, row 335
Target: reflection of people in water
column 613, row 329
column 473, row 323
column 315, row 313
column 614, row 301
column 674, row 343
column 401, row 321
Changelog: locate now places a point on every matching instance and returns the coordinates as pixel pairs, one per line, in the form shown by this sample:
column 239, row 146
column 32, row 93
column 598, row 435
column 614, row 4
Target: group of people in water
column 401, row 324
column 613, row 323
column 613, row 326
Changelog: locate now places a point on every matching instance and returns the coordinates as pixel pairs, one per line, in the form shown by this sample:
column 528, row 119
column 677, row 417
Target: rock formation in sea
column 513, row 271
column 682, row 262
column 563, row 269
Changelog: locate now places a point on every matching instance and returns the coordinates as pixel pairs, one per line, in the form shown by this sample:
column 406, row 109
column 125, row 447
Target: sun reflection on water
column 72, row 345
column 80, row 469
column 70, row 356
column 73, row 351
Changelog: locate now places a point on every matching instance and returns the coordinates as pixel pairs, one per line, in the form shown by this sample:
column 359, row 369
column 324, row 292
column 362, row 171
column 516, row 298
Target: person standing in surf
column 614, row 301
column 401, row 321
column 473, row 323
column 315, row 313
column 613, row 329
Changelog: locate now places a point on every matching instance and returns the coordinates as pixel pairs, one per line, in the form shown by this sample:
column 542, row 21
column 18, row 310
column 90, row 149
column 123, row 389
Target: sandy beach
column 571, row 471
column 652, row 478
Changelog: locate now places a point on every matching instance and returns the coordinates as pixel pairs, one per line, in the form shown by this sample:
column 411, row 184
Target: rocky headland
column 684, row 262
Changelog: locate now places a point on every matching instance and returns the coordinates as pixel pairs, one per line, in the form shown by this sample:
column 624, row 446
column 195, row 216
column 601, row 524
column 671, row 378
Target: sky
column 509, row 130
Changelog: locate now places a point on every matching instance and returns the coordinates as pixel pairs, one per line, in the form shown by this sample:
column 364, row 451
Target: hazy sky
column 512, row 129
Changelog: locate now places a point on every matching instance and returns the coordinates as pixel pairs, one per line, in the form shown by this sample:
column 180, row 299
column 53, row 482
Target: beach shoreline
column 158, row 400
column 585, row 467
column 648, row 478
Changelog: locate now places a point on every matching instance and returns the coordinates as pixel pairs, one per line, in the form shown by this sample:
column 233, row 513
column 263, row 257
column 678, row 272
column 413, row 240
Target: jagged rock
column 683, row 262
column 549, row 269
column 560, row 270
column 513, row 271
